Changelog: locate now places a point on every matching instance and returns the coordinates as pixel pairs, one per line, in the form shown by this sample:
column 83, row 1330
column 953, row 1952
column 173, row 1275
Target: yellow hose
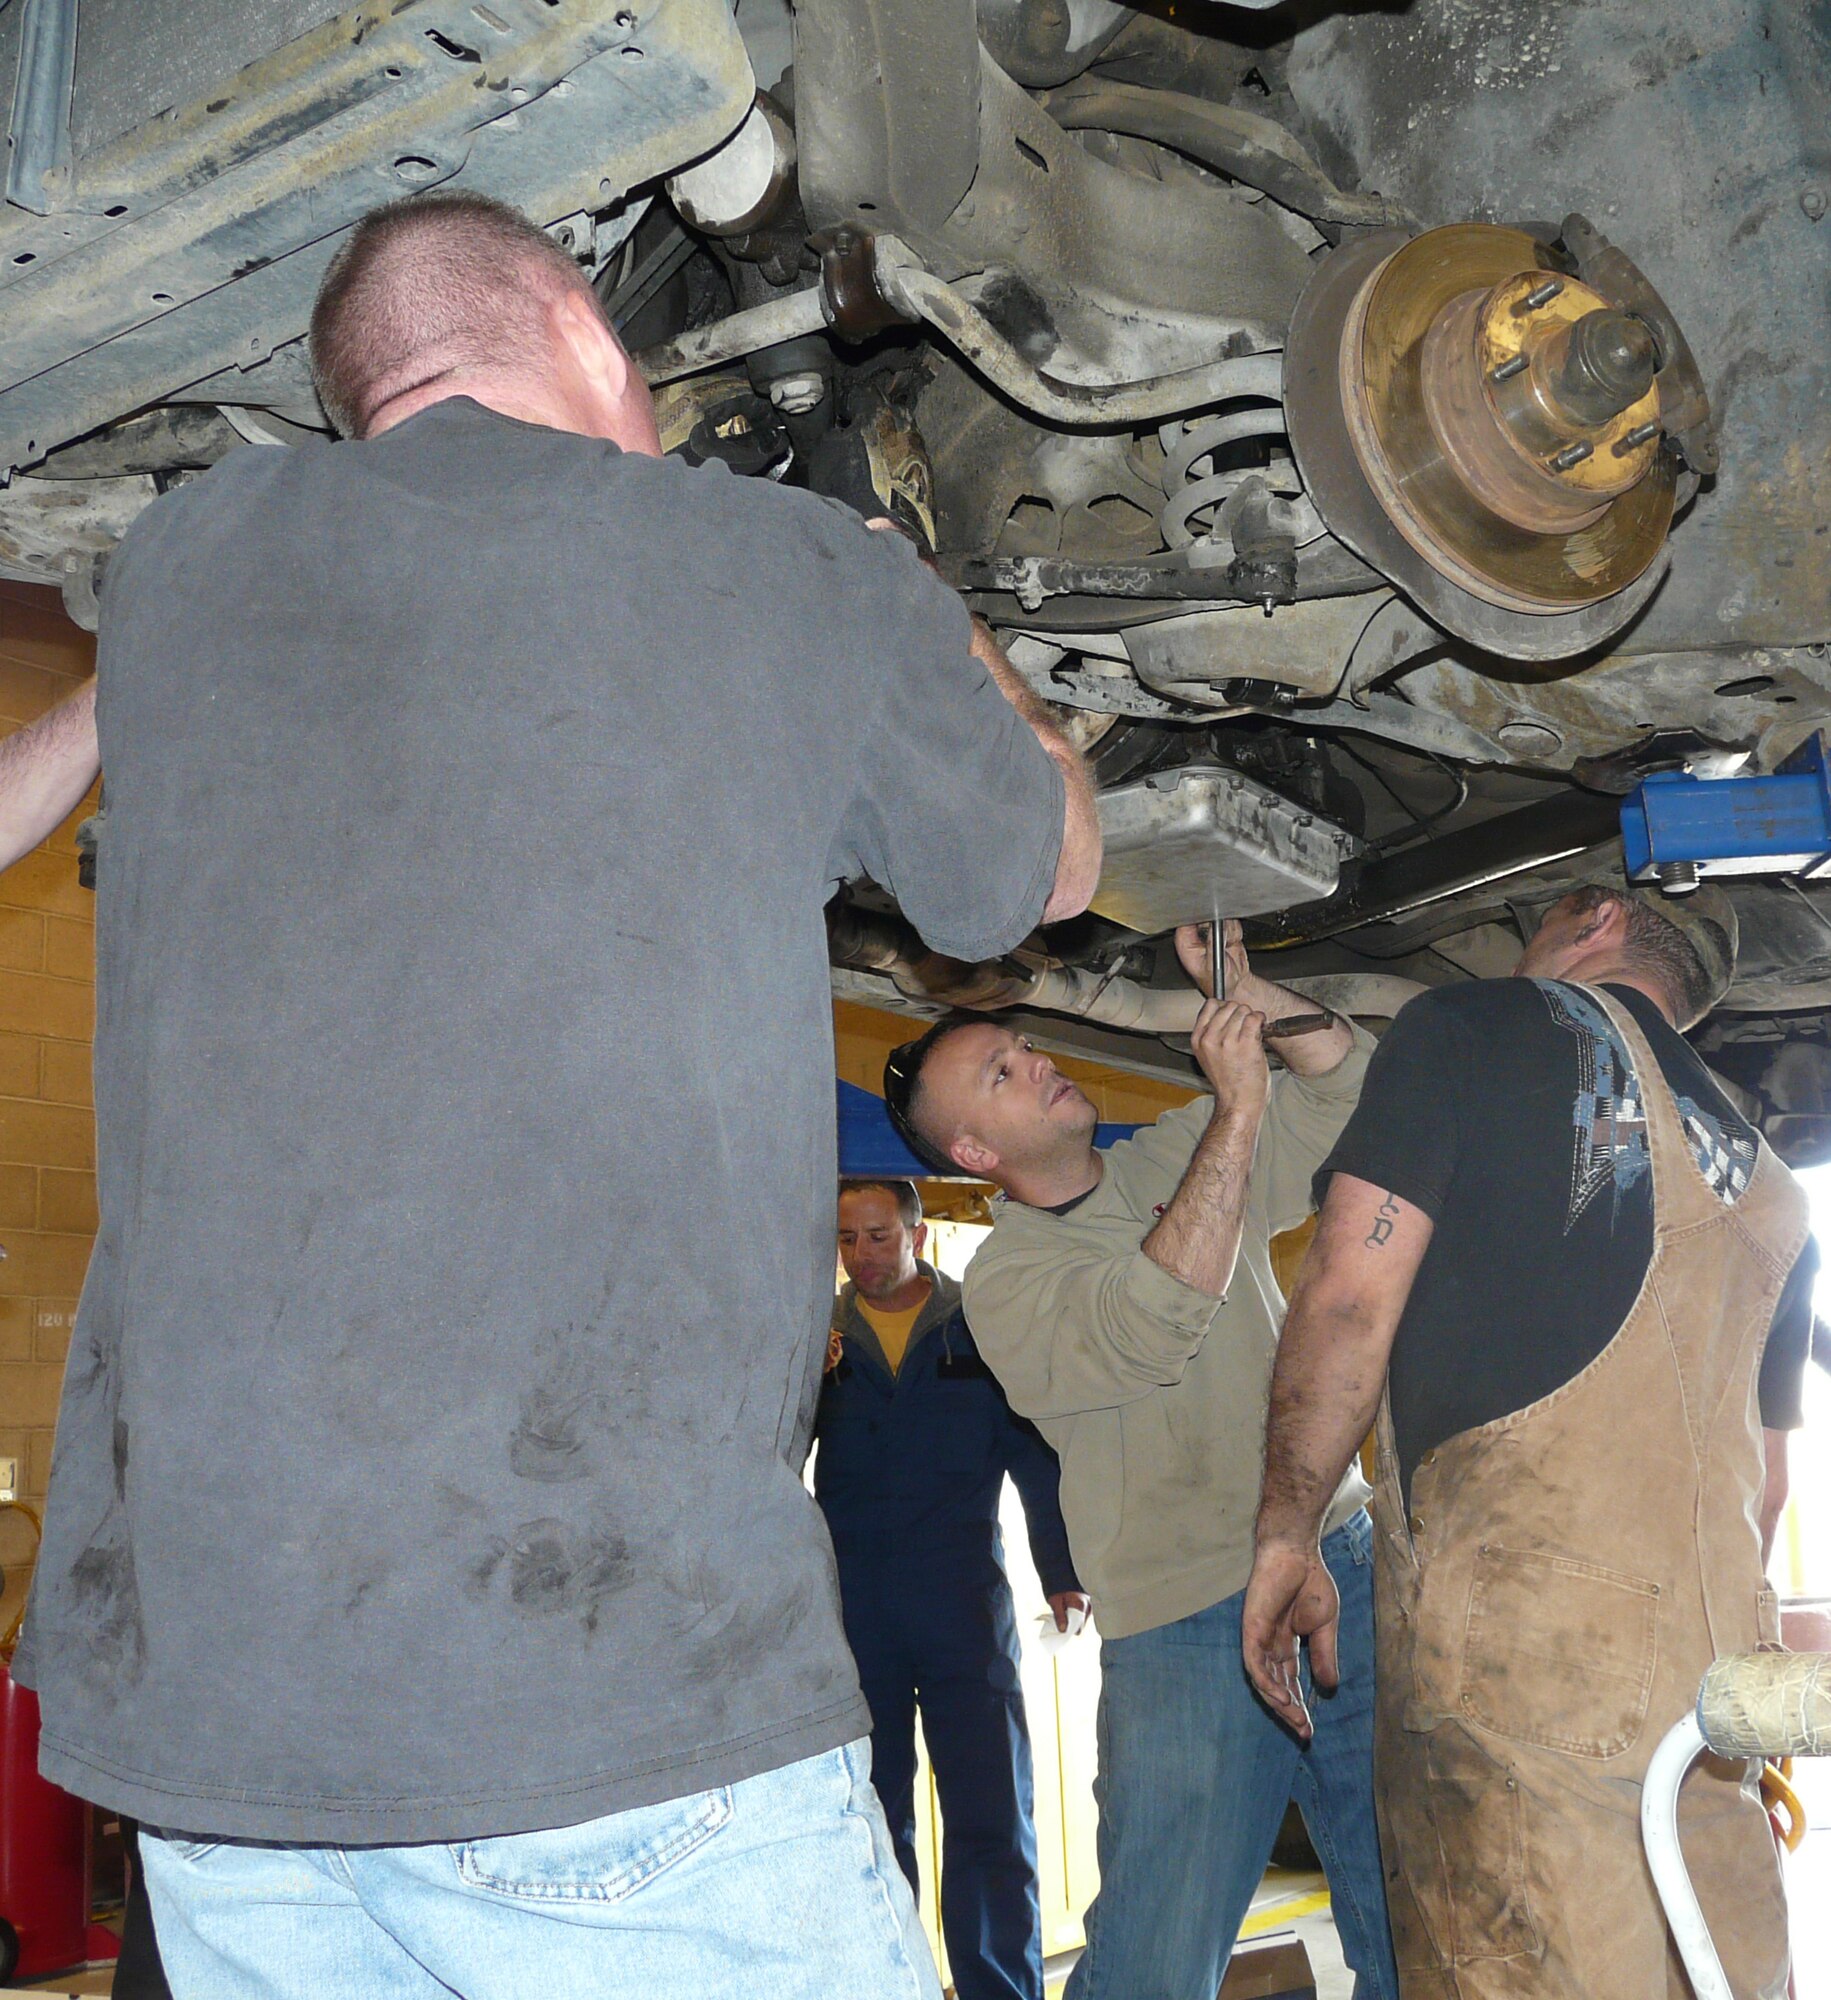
column 1776, row 1791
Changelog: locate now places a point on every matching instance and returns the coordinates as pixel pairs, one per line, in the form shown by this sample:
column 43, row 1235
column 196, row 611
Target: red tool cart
column 44, row 1840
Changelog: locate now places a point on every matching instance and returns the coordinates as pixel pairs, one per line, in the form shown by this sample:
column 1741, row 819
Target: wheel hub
column 1506, row 417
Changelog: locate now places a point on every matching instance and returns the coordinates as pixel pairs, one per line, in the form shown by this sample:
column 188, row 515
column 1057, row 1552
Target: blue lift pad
column 1774, row 825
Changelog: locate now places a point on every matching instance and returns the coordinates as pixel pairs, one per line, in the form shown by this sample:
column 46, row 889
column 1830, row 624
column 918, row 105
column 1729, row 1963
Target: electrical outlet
column 9, row 1479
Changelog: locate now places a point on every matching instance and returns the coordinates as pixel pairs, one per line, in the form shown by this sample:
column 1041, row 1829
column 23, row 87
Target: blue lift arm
column 1677, row 828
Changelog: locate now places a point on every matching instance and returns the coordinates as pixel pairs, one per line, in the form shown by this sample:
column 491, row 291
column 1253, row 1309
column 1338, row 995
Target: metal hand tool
column 1295, row 1024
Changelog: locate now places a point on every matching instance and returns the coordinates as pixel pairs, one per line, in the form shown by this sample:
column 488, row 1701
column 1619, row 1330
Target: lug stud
column 1571, row 455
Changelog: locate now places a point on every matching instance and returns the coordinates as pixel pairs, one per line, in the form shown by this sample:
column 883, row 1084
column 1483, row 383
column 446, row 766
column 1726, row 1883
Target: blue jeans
column 1194, row 1779
column 781, row 1887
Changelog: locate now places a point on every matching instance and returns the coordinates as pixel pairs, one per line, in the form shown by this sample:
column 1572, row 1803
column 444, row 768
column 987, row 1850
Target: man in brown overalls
column 1570, row 1266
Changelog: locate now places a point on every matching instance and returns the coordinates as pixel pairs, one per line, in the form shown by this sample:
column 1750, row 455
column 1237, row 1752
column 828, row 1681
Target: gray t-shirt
column 464, row 1088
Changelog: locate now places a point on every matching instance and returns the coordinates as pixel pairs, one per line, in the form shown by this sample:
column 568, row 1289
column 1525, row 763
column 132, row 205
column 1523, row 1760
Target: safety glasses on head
column 902, row 1075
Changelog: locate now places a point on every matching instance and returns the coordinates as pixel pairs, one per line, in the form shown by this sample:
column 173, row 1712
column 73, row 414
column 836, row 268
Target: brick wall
column 47, row 1009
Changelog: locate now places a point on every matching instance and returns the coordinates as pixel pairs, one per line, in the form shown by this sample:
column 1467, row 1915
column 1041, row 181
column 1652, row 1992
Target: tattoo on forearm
column 1383, row 1223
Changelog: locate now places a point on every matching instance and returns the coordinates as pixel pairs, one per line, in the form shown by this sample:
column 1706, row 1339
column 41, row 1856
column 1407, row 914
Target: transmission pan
column 1182, row 845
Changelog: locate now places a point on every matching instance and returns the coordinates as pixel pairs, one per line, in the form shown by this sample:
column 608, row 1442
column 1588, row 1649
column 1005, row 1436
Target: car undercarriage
column 1386, row 438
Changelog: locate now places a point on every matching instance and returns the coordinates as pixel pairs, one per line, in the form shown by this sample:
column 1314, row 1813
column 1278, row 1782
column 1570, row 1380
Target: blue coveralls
column 909, row 1472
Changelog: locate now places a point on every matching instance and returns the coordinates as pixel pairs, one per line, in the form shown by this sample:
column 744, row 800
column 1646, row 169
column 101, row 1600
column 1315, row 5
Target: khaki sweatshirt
column 1152, row 1393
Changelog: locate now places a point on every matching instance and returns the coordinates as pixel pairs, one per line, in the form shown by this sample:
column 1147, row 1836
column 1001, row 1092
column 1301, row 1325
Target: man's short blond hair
column 435, row 286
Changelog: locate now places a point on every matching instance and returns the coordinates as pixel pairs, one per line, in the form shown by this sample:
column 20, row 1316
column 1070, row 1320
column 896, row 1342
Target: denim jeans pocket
column 602, row 1861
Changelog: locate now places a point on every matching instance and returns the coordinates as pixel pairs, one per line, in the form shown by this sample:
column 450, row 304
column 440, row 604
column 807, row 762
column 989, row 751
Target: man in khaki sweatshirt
column 1126, row 1302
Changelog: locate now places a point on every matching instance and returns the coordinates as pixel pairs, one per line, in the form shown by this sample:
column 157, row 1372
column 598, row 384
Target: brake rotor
column 1486, row 430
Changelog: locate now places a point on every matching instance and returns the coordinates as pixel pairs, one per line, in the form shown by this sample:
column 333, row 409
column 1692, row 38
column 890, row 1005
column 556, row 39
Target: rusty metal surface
column 1489, row 367
column 1384, row 396
column 227, row 211
column 1759, row 698
column 1698, row 137
column 1684, row 404
column 1333, row 472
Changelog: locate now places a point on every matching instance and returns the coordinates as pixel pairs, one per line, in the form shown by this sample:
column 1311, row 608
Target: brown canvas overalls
column 1547, row 1608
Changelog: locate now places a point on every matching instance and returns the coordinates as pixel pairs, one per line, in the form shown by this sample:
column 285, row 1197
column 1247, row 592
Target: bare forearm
column 1082, row 841
column 1325, row 1390
column 45, row 768
column 1332, row 1355
column 1305, row 1055
column 1079, row 871
column 1197, row 1238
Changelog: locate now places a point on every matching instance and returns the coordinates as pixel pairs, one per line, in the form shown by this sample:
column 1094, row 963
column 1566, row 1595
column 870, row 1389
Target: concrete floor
column 1300, row 1903
column 1289, row 1901
column 1808, row 1881
column 1333, row 1979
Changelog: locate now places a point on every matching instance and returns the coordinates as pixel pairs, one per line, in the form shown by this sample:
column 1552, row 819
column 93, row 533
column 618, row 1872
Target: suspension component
column 1503, row 476
column 1534, row 405
column 1262, row 531
column 1484, row 417
column 1191, row 485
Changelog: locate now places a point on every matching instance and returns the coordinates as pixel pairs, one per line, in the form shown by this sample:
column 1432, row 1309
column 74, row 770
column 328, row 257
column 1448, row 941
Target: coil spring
column 1188, row 492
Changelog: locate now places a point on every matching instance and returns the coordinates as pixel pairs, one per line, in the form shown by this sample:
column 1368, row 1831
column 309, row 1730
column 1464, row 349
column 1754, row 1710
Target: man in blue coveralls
column 915, row 1439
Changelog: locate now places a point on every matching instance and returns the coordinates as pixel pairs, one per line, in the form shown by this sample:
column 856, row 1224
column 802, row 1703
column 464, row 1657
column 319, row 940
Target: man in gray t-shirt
column 421, row 1495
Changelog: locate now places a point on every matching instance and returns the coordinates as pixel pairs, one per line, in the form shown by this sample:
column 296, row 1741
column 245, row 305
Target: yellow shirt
column 893, row 1328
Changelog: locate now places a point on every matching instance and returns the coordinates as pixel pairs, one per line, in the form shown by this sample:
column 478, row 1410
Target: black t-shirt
column 464, row 1094
column 1507, row 1110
